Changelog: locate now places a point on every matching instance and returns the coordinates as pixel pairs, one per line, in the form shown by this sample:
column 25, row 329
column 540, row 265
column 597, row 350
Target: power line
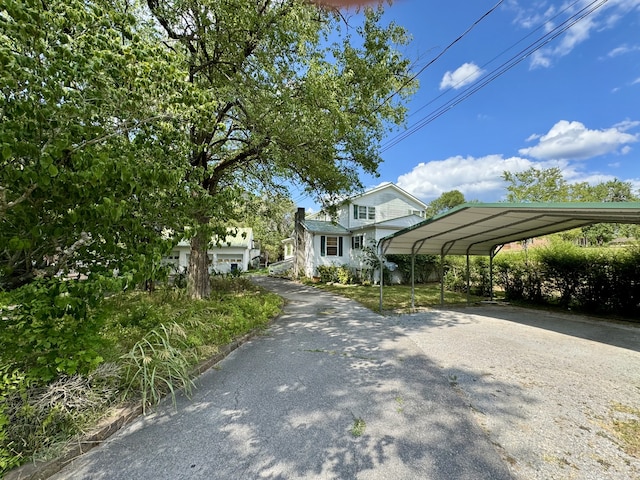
column 437, row 57
column 497, row 72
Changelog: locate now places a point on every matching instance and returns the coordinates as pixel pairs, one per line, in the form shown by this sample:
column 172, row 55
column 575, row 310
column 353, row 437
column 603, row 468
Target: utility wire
column 497, row 72
column 435, row 59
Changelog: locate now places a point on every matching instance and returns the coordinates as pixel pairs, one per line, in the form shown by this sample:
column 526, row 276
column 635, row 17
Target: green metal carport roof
column 482, row 228
column 478, row 228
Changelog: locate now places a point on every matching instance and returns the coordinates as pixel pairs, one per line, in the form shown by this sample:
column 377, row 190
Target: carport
column 483, row 228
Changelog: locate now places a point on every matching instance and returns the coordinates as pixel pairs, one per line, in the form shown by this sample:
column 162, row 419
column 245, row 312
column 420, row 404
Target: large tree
column 445, row 202
column 278, row 90
column 86, row 171
column 549, row 185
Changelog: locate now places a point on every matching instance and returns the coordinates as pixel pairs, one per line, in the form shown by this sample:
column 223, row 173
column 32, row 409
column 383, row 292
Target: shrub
column 50, row 331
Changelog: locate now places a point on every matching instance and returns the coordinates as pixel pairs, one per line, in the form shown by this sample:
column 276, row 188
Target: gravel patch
column 545, row 387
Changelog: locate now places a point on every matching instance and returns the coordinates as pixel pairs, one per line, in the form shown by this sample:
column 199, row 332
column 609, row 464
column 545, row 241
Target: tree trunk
column 198, row 283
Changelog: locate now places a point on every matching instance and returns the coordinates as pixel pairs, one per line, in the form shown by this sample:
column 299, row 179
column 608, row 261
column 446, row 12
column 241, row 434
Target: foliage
column 444, row 202
column 51, row 331
column 270, row 214
column 341, row 274
column 548, row 185
column 36, row 415
column 155, row 366
column 536, row 185
column 595, row 280
column 85, row 179
column 271, row 96
column 425, row 267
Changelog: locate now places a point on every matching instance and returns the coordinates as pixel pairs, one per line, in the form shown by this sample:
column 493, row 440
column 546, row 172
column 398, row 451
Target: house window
column 330, row 246
column 419, row 213
column 363, row 212
column 357, row 242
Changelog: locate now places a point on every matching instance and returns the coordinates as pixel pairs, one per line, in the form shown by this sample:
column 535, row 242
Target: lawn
column 397, row 298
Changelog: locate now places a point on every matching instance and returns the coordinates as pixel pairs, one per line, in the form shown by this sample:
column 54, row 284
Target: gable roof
column 385, row 186
column 477, row 228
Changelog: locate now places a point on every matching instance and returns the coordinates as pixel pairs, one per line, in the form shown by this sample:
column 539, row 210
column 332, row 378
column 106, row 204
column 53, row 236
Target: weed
column 156, row 366
column 358, row 427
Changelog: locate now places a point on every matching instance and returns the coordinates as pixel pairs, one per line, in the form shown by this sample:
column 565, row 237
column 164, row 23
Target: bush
column 49, row 331
column 335, row 274
column 596, row 280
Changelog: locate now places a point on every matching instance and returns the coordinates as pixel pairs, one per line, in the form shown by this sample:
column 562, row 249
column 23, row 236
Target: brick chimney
column 299, row 244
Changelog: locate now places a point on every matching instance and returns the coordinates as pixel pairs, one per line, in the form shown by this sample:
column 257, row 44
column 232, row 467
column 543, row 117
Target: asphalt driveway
column 546, row 387
column 331, row 390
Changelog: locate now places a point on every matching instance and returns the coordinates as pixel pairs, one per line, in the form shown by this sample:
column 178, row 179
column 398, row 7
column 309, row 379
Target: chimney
column 299, row 244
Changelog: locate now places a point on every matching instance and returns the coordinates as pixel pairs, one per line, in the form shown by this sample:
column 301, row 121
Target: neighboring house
column 360, row 222
column 231, row 253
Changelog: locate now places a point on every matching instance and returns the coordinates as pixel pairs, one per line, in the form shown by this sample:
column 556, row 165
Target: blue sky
column 573, row 104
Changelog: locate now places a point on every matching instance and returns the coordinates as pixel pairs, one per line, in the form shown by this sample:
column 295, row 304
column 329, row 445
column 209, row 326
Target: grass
column 626, row 427
column 397, row 298
column 358, row 427
column 150, row 342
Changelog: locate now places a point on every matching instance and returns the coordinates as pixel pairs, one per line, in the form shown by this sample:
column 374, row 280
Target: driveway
column 330, row 390
column 545, row 387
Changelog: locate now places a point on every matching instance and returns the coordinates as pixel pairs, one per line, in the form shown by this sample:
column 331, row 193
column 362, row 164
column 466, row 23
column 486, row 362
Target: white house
column 231, row 253
column 360, row 221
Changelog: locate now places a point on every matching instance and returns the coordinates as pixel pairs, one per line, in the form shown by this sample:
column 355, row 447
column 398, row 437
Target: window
column 363, row 212
column 357, row 242
column 330, row 246
column 419, row 213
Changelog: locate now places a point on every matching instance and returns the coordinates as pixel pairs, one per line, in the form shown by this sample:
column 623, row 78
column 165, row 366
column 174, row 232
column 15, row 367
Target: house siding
column 393, row 211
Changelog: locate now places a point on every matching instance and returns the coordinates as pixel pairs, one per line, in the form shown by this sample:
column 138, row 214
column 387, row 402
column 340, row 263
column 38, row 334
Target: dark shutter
column 323, row 246
column 355, row 211
column 353, row 243
column 339, row 246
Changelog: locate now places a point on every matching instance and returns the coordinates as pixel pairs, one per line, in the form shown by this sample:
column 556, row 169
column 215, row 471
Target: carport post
column 468, row 279
column 442, row 278
column 413, row 280
column 381, row 277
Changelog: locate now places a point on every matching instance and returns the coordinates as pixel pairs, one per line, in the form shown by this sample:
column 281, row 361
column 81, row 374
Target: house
column 360, row 221
column 231, row 253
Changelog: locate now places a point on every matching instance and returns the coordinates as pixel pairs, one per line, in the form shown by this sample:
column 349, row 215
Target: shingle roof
column 319, row 226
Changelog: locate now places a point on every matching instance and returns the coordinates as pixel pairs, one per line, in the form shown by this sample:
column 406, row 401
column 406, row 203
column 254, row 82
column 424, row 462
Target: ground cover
column 149, row 343
column 397, row 298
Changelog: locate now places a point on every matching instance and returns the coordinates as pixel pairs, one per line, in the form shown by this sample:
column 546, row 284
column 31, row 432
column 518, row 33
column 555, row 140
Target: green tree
column 270, row 98
column 445, row 202
column 85, row 175
column 536, row 185
column 270, row 214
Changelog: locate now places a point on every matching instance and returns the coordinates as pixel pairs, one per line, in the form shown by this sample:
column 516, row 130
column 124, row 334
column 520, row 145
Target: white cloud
column 476, row 178
column 533, row 16
column 636, row 81
column 623, row 49
column 464, row 75
column 573, row 141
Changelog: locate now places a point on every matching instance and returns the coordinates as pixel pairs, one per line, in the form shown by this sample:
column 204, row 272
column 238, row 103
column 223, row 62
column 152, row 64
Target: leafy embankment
column 147, row 345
